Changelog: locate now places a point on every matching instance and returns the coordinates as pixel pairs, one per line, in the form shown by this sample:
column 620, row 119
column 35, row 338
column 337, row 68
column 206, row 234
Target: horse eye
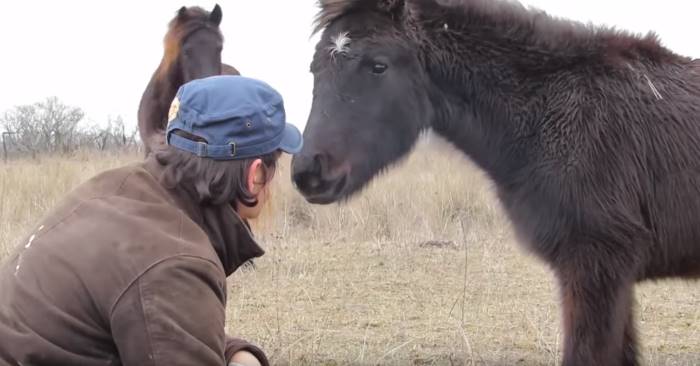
column 379, row 68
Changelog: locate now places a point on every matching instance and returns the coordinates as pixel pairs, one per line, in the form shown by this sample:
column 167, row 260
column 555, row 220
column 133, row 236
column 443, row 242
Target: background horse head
column 192, row 50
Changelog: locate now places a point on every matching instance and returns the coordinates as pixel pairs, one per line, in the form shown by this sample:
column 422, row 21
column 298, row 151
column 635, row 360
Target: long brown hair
column 212, row 181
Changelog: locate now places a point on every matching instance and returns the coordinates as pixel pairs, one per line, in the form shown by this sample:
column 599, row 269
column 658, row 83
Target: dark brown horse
column 591, row 136
column 192, row 50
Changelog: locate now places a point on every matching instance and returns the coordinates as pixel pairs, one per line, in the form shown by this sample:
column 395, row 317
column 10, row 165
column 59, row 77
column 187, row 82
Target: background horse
column 193, row 47
column 591, row 136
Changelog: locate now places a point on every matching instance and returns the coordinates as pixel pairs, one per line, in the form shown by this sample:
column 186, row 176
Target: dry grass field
column 421, row 269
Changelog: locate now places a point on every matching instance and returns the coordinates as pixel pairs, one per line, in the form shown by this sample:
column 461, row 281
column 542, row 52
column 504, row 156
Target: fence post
column 4, row 145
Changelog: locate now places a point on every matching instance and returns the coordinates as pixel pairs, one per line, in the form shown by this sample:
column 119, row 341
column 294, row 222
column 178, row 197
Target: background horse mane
column 170, row 74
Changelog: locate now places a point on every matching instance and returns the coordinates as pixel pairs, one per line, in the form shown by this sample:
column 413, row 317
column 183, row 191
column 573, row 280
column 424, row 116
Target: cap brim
column 292, row 141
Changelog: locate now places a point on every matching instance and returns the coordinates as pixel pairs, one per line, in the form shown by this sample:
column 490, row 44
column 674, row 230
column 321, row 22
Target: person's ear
column 254, row 173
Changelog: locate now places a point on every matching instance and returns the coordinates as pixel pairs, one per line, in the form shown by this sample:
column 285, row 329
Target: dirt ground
column 421, row 269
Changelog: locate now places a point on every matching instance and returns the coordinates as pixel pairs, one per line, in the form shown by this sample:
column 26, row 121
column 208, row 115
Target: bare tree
column 48, row 126
column 112, row 135
column 22, row 123
column 58, row 123
column 53, row 127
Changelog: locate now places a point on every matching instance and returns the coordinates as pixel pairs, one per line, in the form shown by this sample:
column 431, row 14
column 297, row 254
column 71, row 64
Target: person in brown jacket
column 131, row 268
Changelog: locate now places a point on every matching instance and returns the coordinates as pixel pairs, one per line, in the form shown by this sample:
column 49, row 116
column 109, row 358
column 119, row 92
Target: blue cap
column 239, row 117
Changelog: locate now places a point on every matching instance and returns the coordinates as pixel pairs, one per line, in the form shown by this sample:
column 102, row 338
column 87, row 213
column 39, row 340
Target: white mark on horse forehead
column 340, row 44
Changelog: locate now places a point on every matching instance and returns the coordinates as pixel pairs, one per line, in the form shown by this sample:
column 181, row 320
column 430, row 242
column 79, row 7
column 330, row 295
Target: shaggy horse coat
column 591, row 136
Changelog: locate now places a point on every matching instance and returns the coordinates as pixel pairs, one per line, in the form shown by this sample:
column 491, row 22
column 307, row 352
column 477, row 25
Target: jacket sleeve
column 234, row 345
column 173, row 314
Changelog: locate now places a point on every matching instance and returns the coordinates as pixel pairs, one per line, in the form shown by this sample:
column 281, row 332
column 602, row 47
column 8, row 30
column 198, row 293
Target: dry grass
column 421, row 269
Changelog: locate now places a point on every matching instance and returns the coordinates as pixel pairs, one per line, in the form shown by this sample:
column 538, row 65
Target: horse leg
column 629, row 347
column 597, row 304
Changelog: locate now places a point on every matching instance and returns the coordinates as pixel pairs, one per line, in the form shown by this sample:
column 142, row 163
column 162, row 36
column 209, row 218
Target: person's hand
column 244, row 358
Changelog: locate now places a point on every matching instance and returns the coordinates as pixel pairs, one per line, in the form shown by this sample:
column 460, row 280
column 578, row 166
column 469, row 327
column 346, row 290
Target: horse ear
column 182, row 12
column 216, row 15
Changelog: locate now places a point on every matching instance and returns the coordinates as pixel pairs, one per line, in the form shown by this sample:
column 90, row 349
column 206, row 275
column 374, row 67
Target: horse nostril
column 307, row 181
column 314, row 182
column 318, row 164
column 308, row 174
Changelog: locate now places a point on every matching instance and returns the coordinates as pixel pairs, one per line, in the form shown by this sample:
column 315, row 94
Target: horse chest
column 538, row 221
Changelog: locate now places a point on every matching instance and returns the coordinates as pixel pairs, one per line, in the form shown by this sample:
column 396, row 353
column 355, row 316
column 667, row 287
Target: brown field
column 421, row 269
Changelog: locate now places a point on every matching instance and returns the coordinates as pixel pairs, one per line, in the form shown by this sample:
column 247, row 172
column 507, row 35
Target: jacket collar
column 229, row 234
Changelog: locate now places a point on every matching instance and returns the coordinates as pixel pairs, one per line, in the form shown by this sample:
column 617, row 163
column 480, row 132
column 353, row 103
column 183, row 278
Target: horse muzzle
column 317, row 181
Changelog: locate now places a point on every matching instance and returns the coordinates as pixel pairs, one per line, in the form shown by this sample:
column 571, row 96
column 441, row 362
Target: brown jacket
column 124, row 272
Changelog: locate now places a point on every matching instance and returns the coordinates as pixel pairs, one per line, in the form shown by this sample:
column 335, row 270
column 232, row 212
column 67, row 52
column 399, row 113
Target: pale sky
column 99, row 55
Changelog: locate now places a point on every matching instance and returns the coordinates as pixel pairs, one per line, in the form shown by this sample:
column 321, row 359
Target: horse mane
column 521, row 24
column 183, row 24
column 330, row 10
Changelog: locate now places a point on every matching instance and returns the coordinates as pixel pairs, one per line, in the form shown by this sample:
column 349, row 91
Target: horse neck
column 481, row 117
column 156, row 100
column 165, row 84
column 488, row 91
